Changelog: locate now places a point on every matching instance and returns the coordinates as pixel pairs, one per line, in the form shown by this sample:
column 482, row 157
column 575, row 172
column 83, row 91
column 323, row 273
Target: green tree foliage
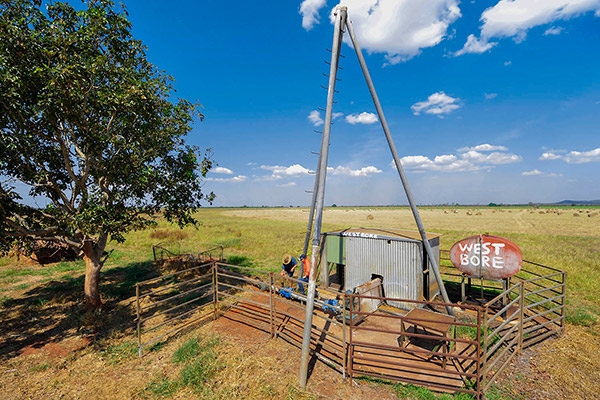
column 87, row 122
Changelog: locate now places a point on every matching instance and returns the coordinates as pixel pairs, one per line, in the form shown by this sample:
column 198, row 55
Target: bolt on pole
column 340, row 18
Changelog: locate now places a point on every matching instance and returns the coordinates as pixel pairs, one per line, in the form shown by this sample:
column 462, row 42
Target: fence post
column 563, row 311
column 271, row 310
column 484, row 351
column 521, row 315
column 139, row 332
column 216, row 290
column 479, row 362
column 351, row 344
column 345, row 360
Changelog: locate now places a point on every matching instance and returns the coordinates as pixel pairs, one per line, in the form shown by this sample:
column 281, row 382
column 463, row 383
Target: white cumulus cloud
column 309, row 9
column 279, row 172
column 492, row 158
column 490, row 96
column 235, row 179
column 315, row 118
column 400, row 28
column 531, row 173
column 574, row 157
column 364, row 171
column 436, row 104
column 467, row 160
column 362, row 118
column 483, row 147
column 475, row 46
column 222, row 170
column 513, row 18
column 554, row 30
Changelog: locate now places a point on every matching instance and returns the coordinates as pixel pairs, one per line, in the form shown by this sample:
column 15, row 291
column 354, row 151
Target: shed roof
column 383, row 233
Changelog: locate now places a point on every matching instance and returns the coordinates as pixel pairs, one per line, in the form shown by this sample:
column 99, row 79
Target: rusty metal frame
column 340, row 352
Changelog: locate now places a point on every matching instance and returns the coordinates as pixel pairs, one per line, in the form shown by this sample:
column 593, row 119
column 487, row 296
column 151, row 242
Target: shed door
column 398, row 262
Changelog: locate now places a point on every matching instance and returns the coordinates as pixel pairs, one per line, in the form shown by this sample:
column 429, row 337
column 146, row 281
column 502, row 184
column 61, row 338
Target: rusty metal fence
column 169, row 303
column 464, row 354
column 191, row 252
column 446, row 357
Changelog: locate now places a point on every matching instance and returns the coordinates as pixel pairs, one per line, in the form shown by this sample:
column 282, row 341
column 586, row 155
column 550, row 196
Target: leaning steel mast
column 341, row 23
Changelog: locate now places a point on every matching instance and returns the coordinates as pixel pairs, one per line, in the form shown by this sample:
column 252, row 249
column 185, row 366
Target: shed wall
column 400, row 263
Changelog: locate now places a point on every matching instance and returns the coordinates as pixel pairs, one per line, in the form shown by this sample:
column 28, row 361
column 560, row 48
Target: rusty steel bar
column 508, row 359
column 538, row 338
column 271, row 313
column 484, row 354
column 493, row 356
column 408, row 350
column 242, row 278
column 506, row 337
column 175, row 296
column 564, row 300
column 340, row 19
column 540, row 326
column 351, row 342
column 503, row 324
column 216, row 291
column 176, row 329
column 416, row 335
column 175, row 307
column 416, row 382
column 432, row 303
column 139, row 332
column 386, row 130
column 555, row 310
column 170, row 275
column 409, row 319
column 521, row 316
column 345, row 360
column 243, row 289
column 174, row 318
column 539, row 303
column 543, row 266
column 413, row 365
column 478, row 364
column 501, row 295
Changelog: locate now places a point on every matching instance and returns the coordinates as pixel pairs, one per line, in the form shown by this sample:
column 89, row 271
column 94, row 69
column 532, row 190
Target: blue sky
column 493, row 101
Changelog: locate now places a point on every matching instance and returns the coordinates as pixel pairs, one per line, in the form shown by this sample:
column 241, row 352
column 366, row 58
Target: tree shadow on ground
column 53, row 311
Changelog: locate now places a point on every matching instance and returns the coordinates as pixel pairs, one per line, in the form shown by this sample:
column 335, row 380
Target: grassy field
column 49, row 348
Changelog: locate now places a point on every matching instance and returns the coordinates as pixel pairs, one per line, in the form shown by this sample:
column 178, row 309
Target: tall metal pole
column 340, row 18
column 311, row 217
column 388, row 136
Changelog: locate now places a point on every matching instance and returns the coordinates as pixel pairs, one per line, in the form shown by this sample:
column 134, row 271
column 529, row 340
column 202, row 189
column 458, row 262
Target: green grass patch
column 200, row 364
column 412, row 392
column 117, row 353
column 40, row 368
column 582, row 317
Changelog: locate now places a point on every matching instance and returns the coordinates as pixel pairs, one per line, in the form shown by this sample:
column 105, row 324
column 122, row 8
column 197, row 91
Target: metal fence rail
column 477, row 346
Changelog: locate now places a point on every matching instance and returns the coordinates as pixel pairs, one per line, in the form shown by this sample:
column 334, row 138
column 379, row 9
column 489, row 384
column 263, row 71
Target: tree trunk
column 91, row 255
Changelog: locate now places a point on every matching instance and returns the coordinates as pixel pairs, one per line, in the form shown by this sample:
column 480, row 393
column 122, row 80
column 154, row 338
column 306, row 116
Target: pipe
column 340, row 18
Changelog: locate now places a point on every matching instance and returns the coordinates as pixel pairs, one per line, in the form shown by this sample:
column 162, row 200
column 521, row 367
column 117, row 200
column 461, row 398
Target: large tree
column 88, row 123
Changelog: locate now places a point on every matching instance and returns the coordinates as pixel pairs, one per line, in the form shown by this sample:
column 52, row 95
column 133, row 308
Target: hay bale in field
column 542, row 212
column 576, row 214
column 479, row 213
column 455, row 211
column 469, row 212
column 370, row 217
column 592, row 214
column 445, row 211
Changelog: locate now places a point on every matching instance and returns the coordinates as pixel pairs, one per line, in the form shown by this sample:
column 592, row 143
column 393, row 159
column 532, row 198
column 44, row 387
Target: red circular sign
column 486, row 256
